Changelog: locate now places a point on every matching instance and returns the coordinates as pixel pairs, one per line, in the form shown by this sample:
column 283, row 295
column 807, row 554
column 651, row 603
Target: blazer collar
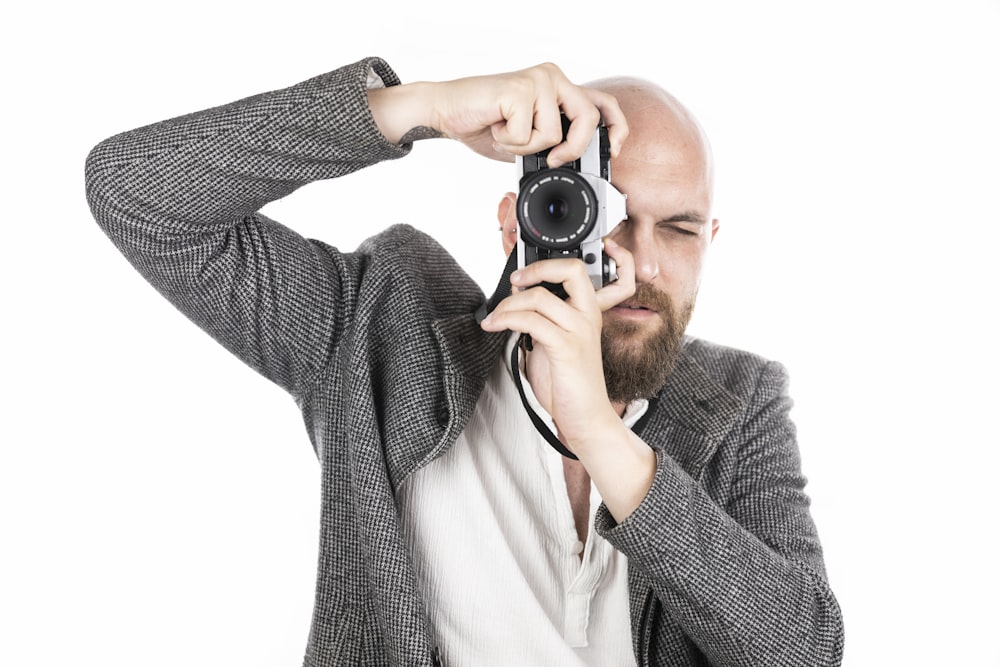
column 468, row 354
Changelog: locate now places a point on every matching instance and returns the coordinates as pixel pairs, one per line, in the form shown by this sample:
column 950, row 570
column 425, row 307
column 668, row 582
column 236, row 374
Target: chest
column 494, row 531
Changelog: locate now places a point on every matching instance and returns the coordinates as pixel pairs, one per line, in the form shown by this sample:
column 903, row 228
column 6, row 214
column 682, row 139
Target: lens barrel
column 557, row 208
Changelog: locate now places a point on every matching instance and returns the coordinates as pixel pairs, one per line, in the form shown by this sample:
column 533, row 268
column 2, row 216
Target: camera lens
column 557, row 208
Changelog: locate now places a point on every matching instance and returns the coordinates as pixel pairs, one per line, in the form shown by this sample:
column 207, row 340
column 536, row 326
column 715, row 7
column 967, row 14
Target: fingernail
column 515, row 276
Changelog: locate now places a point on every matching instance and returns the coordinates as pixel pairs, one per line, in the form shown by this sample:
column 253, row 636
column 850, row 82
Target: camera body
column 568, row 210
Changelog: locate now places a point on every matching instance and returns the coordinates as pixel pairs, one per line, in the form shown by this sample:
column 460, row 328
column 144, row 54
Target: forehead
column 666, row 154
column 663, row 164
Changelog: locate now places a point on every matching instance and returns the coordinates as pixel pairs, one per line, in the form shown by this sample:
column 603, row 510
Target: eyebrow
column 687, row 216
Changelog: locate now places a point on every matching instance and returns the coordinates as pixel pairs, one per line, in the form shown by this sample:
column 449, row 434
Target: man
column 451, row 533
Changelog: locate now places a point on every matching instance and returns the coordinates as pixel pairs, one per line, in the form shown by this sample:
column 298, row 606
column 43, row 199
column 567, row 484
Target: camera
column 567, row 211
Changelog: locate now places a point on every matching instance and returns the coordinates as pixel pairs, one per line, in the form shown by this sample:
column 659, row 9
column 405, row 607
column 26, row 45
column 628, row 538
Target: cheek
column 680, row 272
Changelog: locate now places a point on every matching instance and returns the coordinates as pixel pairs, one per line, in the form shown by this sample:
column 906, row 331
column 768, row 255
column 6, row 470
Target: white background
column 159, row 501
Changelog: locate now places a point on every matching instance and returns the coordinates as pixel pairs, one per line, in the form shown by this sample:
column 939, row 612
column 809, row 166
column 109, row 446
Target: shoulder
column 741, row 372
column 413, row 265
column 397, row 238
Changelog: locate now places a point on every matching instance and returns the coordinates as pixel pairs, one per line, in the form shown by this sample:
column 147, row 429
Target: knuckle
column 590, row 115
column 539, row 294
column 551, row 69
column 521, row 85
column 551, row 136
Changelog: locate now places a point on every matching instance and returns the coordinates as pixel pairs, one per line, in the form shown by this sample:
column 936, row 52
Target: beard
column 637, row 364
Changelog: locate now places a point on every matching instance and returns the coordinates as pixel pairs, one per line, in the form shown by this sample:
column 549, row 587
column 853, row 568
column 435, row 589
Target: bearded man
column 677, row 532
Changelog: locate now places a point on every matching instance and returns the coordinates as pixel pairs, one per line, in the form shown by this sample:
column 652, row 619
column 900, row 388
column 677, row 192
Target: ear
column 715, row 228
column 507, row 215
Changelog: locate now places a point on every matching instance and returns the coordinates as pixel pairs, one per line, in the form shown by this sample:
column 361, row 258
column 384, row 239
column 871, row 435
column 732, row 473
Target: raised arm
column 180, row 199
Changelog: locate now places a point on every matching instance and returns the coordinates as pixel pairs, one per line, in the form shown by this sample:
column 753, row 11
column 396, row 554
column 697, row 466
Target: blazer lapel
column 467, row 356
column 692, row 415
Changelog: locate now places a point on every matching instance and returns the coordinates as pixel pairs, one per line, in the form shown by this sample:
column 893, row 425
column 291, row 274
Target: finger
column 542, row 330
column 584, row 118
column 624, row 287
column 548, row 123
column 570, row 273
column 586, row 108
column 612, row 116
column 539, row 300
column 499, row 152
column 545, row 129
column 515, row 130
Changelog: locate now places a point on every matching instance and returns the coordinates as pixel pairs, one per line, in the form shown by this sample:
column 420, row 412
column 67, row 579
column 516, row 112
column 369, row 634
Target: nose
column 641, row 242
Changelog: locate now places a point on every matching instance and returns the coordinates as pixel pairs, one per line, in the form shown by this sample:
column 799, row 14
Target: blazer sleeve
column 181, row 200
column 744, row 579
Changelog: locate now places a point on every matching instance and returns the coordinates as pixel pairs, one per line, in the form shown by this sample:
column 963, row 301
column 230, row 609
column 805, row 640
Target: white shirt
column 491, row 530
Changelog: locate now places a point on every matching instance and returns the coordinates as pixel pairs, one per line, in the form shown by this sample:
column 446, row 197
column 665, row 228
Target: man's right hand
column 501, row 115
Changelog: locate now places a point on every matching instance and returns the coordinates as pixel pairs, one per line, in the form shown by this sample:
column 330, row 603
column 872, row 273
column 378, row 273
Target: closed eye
column 684, row 224
column 675, row 228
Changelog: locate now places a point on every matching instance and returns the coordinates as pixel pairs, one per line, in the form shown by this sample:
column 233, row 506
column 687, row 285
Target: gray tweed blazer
column 725, row 567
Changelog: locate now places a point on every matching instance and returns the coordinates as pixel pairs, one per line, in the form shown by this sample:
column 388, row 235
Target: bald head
column 657, row 120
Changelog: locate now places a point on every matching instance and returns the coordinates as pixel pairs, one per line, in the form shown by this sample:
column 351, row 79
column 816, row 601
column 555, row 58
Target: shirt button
column 577, row 548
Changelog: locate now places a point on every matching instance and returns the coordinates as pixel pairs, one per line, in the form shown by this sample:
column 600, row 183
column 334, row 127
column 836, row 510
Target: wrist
column 404, row 113
column 621, row 465
column 602, row 431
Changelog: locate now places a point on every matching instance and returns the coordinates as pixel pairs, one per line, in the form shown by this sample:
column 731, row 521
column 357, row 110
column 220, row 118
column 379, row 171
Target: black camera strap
column 540, row 426
column 502, row 291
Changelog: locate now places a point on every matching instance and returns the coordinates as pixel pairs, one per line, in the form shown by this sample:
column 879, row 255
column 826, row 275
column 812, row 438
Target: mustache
column 649, row 297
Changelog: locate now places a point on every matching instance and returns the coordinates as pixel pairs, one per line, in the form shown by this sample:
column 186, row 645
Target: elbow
column 100, row 182
column 826, row 634
column 93, row 183
column 830, row 632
